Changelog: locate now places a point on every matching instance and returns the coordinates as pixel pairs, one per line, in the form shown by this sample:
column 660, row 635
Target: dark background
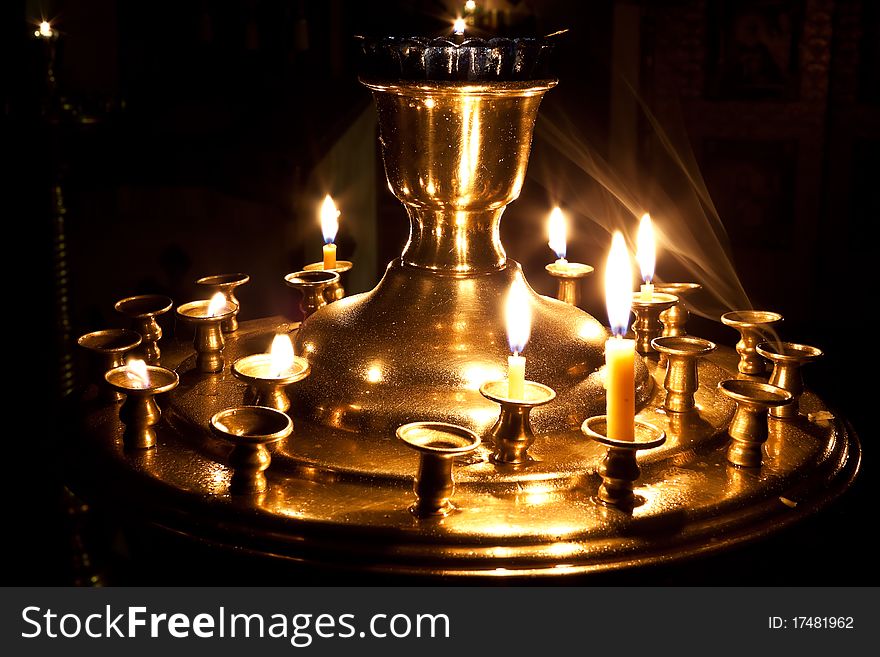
column 196, row 137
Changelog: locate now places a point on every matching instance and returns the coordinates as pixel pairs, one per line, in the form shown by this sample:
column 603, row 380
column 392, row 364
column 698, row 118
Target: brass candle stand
column 681, row 382
column 748, row 428
column 140, row 412
column 266, row 387
column 787, row 359
column 208, row 340
column 334, row 291
column 754, row 327
column 143, row 310
column 437, row 443
column 313, row 286
column 108, row 349
column 674, row 319
column 569, row 275
column 250, row 429
column 512, row 434
column 619, row 469
column 226, row 284
column 647, row 325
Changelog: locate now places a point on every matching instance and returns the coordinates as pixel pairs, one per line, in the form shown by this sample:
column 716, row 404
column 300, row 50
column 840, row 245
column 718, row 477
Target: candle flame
column 518, row 314
column 646, row 249
column 218, row 303
column 45, row 29
column 136, row 371
column 458, row 26
column 329, row 220
column 558, row 229
column 618, row 285
column 281, row 354
column 470, row 5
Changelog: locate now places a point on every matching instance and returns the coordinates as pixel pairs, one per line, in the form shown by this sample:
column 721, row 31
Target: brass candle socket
column 619, row 469
column 647, row 325
column 753, row 327
column 108, row 349
column 569, row 275
column 208, row 341
column 140, row 412
column 437, row 443
column 143, row 310
column 787, row 359
column 313, row 285
column 226, row 284
column 748, row 428
column 250, row 429
column 266, row 387
column 512, row 434
column 674, row 319
column 682, row 354
column 334, row 291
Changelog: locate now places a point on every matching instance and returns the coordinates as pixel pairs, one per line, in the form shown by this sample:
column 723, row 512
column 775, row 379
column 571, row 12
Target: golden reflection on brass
column 140, row 412
column 681, row 381
column 647, row 325
column 569, row 276
column 208, row 341
column 334, row 291
column 748, row 428
column 226, row 284
column 143, row 310
column 108, row 349
column 512, row 434
column 754, row 326
column 787, row 359
column 313, row 286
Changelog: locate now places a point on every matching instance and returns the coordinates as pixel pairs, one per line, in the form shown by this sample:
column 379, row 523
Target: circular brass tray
column 339, row 499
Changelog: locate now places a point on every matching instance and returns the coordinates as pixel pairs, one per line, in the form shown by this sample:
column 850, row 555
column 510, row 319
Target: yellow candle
column 619, row 353
column 647, row 292
column 329, row 256
column 329, row 228
column 516, row 377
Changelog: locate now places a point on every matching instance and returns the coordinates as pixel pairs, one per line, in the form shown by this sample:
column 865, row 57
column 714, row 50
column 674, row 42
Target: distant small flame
column 646, row 250
column 281, row 354
column 518, row 315
column 558, row 229
column 218, row 303
column 45, row 30
column 618, row 285
column 458, row 26
column 137, row 372
column 470, row 6
column 329, row 220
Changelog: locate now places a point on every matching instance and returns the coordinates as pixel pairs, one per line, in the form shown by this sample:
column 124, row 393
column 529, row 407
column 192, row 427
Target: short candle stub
column 208, row 341
column 681, row 382
column 334, row 291
column 647, row 325
column 143, row 310
column 108, row 349
column 250, row 429
column 754, row 327
column 140, row 412
column 512, row 434
column 748, row 428
column 226, row 284
column 313, row 285
column 437, row 443
column 787, row 359
column 266, row 383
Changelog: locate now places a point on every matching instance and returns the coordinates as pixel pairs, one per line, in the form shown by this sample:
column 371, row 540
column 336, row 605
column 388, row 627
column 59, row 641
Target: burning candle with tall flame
column 137, row 373
column 518, row 317
column 281, row 355
column 558, row 230
column 458, row 27
column 329, row 227
column 619, row 352
column 646, row 256
column 217, row 304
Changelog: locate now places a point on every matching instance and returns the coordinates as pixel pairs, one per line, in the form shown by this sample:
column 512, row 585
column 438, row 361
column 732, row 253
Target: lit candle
column 619, row 353
column 137, row 373
column 45, row 30
column 519, row 327
column 217, row 304
column 329, row 227
column 458, row 27
column 558, row 230
column 281, row 356
column 646, row 256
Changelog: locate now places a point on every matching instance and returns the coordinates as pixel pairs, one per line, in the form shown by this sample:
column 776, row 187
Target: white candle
column 519, row 327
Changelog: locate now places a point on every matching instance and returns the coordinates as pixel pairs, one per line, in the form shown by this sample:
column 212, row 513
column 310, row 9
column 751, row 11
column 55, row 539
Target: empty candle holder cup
column 437, row 443
column 754, row 327
column 140, row 413
column 226, row 284
column 569, row 275
column 250, row 429
column 748, row 428
column 208, row 341
column 334, row 291
column 143, row 310
column 682, row 354
column 512, row 434
column 108, row 349
column 312, row 285
column 647, row 325
column 266, row 383
column 619, row 469
column 787, row 359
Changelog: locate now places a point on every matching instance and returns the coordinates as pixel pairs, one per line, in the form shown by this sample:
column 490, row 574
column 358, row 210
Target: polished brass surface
column 208, row 341
column 226, row 284
column 143, row 310
column 108, row 349
column 675, row 319
column 250, row 429
column 787, row 359
column 647, row 325
column 681, row 381
column 139, row 412
column 754, row 326
column 437, row 443
column 569, row 276
column 512, row 434
column 748, row 428
column 334, row 291
column 266, row 390
column 313, row 285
